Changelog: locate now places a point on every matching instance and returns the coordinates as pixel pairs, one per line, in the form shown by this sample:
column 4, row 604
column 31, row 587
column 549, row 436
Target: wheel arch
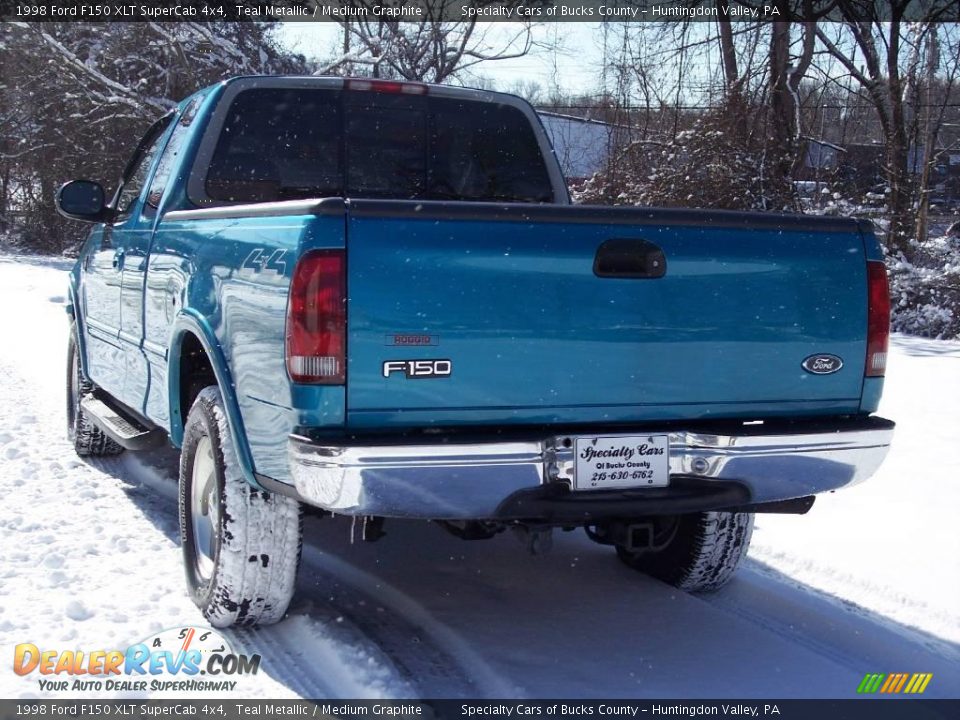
column 76, row 318
column 191, row 331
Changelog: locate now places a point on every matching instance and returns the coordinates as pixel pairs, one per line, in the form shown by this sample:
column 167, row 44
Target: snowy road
column 869, row 581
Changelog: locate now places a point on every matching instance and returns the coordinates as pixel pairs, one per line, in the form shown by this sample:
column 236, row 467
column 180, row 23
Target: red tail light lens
column 317, row 319
column 878, row 319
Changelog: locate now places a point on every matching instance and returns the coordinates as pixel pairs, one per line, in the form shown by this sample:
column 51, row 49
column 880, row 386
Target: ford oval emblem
column 822, row 364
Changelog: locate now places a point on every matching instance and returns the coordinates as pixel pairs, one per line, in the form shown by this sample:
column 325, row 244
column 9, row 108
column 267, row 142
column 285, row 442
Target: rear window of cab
column 295, row 143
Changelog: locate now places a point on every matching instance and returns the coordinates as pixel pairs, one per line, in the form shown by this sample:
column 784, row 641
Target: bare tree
column 883, row 54
column 929, row 130
column 787, row 70
column 77, row 97
column 728, row 51
column 935, row 98
column 745, row 76
column 429, row 50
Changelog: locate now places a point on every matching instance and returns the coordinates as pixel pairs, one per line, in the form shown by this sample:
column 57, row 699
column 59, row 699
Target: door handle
column 630, row 258
column 118, row 259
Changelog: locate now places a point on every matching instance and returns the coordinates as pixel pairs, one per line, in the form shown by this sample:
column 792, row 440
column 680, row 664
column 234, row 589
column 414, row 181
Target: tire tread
column 256, row 524
column 703, row 556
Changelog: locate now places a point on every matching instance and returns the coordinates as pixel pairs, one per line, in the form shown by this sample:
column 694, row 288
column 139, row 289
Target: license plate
column 636, row 461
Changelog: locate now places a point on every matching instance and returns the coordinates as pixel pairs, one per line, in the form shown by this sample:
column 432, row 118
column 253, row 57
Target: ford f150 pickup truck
column 375, row 298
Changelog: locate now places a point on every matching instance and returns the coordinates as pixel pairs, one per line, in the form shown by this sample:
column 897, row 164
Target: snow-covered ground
column 868, row 581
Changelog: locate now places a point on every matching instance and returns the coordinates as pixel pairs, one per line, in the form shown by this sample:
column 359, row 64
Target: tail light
column 317, row 319
column 878, row 319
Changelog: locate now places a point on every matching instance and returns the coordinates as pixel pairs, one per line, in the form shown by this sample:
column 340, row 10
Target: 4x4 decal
column 258, row 261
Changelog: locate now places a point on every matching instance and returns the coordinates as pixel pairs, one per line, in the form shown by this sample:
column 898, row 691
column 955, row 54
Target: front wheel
column 241, row 546
column 700, row 553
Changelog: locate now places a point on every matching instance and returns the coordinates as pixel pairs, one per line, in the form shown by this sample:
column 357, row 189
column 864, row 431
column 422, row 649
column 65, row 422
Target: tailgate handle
column 626, row 258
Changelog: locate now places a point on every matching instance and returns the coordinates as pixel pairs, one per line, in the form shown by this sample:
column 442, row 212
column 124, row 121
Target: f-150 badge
column 418, row 369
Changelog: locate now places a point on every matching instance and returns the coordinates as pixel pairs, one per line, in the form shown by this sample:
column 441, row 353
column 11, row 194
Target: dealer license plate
column 622, row 462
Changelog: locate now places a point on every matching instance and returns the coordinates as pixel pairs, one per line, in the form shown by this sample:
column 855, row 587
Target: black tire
column 241, row 547
column 88, row 440
column 701, row 553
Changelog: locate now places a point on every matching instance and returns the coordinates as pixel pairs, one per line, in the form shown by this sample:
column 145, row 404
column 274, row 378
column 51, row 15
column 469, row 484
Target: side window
column 136, row 174
column 169, row 157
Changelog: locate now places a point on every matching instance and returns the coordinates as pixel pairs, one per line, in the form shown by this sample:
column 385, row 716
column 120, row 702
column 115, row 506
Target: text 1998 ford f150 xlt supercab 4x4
column 375, row 298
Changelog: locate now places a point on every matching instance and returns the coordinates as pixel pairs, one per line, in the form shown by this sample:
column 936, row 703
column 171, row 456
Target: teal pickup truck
column 375, row 298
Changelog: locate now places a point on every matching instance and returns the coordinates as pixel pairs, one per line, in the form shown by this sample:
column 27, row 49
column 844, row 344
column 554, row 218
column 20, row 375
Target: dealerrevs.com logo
column 178, row 659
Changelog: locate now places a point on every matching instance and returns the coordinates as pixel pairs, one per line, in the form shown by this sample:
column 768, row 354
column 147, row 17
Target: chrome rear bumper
column 482, row 480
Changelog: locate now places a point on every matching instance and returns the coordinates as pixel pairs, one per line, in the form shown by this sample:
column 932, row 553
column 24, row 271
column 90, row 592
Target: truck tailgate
column 536, row 332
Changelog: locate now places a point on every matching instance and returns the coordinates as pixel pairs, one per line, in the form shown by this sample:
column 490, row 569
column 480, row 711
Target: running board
column 119, row 427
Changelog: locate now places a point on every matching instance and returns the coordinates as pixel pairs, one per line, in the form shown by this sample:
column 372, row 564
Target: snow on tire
column 88, row 440
column 241, row 546
column 703, row 554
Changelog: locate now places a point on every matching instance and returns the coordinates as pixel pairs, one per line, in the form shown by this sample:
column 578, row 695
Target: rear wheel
column 241, row 547
column 88, row 440
column 698, row 552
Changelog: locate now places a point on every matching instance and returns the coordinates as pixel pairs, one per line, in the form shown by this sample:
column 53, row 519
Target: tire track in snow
column 792, row 633
column 275, row 653
column 824, row 635
column 430, row 655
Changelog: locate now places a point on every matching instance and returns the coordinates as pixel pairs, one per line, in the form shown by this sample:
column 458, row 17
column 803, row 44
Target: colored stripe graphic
column 918, row 683
column 870, row 683
column 908, row 683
